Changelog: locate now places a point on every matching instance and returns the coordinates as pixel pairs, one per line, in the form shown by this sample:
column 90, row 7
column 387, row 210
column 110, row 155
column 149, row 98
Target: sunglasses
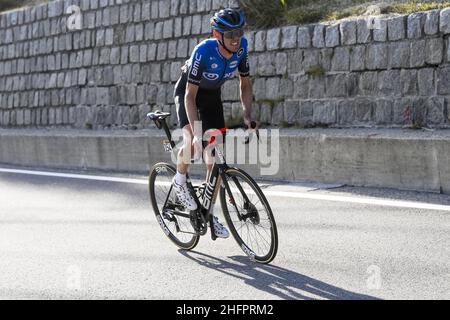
column 233, row 34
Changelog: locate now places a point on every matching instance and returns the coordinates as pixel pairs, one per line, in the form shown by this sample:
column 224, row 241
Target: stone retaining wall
column 126, row 56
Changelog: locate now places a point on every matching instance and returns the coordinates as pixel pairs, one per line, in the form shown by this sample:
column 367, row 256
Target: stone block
column 303, row 37
column 348, row 32
column 409, row 82
column 324, row 113
column 332, row 36
column 289, row 37
column 178, row 27
column 389, row 83
column 187, row 25
column 162, row 51
column 291, row 111
column 259, row 89
column 443, row 81
column 168, row 29
column 301, row 86
column 416, row 24
column 182, row 48
column 281, row 63
column 316, row 87
column 273, row 39
column 418, row 53
column 273, row 88
column 336, row 85
column 368, row 83
column 164, row 9
column 318, row 40
column 444, row 24
column 277, row 114
column 399, row 55
column 196, row 24
column 377, row 57
column 448, row 49
column 380, row 30
column 397, row 28
column 266, row 64
column 358, row 58
column 431, row 22
column 426, row 82
column 383, row 111
column 341, row 59
column 435, row 111
column 260, row 40
column 175, row 71
column 250, row 36
column 363, row 32
column 434, row 52
column 174, row 7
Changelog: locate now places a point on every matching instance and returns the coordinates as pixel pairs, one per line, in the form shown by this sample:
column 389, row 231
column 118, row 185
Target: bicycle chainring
column 197, row 224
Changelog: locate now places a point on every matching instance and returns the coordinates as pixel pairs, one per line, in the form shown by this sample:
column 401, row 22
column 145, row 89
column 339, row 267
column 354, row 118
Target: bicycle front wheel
column 170, row 213
column 249, row 216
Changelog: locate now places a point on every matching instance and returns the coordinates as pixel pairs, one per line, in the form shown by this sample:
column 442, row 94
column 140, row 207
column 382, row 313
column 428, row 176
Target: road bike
column 245, row 208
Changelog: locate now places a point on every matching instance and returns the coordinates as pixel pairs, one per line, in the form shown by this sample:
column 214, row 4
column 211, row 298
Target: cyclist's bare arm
column 246, row 98
column 189, row 102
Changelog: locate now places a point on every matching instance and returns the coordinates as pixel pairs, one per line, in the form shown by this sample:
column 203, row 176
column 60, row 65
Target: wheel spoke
column 160, row 186
column 260, row 237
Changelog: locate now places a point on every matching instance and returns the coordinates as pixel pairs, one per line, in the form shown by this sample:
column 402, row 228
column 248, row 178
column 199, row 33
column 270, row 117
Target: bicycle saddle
column 157, row 115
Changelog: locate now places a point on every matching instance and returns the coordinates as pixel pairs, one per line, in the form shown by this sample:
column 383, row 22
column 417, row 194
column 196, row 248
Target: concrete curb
column 404, row 159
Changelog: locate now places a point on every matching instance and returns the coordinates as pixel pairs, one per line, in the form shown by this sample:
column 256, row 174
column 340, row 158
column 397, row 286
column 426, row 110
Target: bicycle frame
column 217, row 174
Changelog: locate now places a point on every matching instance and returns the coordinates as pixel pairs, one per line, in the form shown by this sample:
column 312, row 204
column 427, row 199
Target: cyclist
column 197, row 94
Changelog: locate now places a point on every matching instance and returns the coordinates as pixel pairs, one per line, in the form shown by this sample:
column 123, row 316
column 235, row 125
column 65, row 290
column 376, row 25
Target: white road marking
column 74, row 176
column 286, row 194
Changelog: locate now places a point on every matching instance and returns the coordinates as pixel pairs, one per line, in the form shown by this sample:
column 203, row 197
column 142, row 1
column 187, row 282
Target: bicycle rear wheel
column 249, row 216
column 171, row 215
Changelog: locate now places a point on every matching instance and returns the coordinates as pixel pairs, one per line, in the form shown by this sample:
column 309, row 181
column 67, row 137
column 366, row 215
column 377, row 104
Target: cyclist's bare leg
column 184, row 158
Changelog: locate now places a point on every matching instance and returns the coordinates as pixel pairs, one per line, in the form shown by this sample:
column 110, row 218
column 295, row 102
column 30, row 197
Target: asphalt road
column 85, row 239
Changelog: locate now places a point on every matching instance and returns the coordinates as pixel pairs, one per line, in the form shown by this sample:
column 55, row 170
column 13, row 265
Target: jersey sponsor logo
column 233, row 64
column 209, row 193
column 196, row 64
column 240, row 52
column 210, row 76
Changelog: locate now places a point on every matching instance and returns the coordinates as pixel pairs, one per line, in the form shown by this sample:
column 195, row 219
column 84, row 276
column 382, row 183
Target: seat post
column 167, row 131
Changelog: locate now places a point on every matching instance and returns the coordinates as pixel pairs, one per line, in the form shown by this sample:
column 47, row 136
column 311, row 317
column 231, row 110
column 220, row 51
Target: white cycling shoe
column 219, row 229
column 184, row 196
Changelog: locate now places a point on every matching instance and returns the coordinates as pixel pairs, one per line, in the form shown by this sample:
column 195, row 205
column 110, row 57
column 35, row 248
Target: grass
column 414, row 7
column 272, row 13
column 14, row 4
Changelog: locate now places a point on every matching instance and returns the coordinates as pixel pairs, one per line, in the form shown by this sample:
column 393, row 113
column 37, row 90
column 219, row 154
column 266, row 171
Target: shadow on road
column 280, row 282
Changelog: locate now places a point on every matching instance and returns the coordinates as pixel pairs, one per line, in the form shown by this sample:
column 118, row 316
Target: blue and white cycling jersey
column 208, row 69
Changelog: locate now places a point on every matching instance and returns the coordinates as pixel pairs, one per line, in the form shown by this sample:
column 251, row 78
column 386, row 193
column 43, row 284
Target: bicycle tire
column 253, row 216
column 161, row 174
